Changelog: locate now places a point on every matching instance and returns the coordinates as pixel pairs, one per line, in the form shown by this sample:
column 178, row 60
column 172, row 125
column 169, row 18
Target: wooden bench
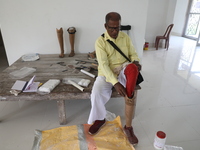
column 49, row 66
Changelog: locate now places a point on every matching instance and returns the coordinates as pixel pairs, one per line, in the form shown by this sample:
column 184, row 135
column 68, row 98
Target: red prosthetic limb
column 131, row 73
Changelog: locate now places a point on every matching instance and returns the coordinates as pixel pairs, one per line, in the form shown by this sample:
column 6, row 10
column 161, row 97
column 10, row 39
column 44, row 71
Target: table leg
column 61, row 112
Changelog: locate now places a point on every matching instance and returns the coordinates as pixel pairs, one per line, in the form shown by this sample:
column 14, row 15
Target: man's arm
column 104, row 62
column 120, row 89
column 137, row 64
column 133, row 54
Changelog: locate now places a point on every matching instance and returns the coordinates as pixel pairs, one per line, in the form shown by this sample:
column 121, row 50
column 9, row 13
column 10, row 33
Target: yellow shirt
column 109, row 58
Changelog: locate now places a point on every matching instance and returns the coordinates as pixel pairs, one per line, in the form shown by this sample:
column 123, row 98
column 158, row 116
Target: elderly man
column 114, row 71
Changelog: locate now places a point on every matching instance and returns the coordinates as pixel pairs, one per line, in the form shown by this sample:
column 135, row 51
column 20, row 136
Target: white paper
column 49, row 85
column 65, row 80
column 170, row 147
column 30, row 87
column 76, row 85
column 23, row 72
column 84, row 82
column 33, row 87
column 30, row 82
column 18, row 85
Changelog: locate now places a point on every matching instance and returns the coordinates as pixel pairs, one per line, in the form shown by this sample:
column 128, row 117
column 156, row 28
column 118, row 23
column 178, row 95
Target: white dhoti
column 101, row 93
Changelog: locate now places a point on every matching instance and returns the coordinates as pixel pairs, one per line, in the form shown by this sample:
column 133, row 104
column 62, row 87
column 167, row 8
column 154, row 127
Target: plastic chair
column 164, row 37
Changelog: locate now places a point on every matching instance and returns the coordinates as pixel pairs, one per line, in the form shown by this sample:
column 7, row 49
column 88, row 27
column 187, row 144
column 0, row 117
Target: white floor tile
column 169, row 121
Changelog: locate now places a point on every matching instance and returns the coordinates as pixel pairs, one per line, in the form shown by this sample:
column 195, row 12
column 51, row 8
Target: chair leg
column 167, row 44
column 157, row 43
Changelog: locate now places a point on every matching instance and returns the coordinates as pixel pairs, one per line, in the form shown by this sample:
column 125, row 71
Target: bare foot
column 62, row 55
column 71, row 54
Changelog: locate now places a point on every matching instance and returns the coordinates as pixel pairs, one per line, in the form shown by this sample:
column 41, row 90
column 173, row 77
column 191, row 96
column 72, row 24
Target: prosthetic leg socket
column 131, row 73
column 60, row 40
column 130, row 104
column 72, row 31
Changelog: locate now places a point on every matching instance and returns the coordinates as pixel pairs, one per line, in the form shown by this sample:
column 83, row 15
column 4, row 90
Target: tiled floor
column 169, row 101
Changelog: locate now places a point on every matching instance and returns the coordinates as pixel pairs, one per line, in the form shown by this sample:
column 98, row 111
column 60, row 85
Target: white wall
column 161, row 13
column 156, row 19
column 170, row 12
column 180, row 16
column 30, row 26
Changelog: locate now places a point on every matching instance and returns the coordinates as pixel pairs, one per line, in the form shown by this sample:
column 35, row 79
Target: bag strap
column 140, row 78
column 117, row 48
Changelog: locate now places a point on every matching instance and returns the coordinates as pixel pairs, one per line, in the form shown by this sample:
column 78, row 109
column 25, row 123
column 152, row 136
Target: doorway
column 192, row 29
column 3, row 57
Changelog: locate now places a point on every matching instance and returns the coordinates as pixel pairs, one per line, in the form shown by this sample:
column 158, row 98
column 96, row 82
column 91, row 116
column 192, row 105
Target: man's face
column 113, row 28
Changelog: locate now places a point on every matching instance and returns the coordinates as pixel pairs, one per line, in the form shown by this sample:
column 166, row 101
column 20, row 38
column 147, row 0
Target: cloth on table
column 49, row 85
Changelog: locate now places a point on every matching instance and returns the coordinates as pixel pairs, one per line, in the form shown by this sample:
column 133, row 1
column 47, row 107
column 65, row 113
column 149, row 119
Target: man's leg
column 100, row 95
column 128, row 78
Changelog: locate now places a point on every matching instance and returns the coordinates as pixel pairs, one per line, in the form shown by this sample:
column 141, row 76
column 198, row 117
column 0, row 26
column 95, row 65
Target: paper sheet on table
column 79, row 81
column 21, row 73
column 25, row 86
column 33, row 87
column 18, row 85
column 30, row 82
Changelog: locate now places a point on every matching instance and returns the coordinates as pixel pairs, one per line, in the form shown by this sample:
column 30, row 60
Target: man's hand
column 137, row 64
column 120, row 89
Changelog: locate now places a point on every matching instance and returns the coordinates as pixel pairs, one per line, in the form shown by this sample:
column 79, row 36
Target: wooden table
column 50, row 66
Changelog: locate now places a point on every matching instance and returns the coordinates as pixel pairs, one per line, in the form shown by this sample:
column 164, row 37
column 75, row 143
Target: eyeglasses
column 113, row 28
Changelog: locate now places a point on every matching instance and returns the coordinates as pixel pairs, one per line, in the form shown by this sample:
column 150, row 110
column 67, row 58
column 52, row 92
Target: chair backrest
column 125, row 27
column 167, row 32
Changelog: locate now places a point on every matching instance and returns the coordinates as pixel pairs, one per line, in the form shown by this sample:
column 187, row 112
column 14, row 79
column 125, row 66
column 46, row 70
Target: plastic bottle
column 159, row 141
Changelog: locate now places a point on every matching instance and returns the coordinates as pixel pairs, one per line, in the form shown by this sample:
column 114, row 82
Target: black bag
column 140, row 78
